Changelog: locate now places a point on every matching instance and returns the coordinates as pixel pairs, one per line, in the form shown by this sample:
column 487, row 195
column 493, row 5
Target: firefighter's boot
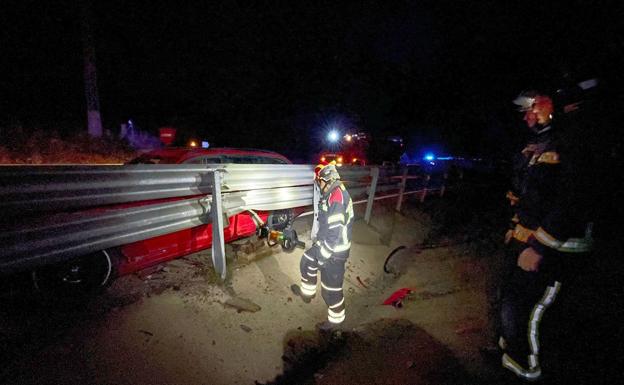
column 297, row 291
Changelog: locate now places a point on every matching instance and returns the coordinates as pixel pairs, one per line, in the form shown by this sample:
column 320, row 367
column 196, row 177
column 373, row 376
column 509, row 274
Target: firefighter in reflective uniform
column 331, row 245
column 548, row 227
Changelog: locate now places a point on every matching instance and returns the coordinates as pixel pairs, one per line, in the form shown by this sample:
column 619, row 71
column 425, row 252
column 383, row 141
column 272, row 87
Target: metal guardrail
column 54, row 213
column 53, row 188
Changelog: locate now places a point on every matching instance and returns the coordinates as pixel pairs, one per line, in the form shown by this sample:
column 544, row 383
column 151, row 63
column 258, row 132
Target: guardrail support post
column 371, row 194
column 443, row 188
column 424, row 191
column 402, row 189
column 216, row 210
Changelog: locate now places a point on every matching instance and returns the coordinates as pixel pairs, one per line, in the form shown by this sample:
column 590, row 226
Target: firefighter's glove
column 529, row 259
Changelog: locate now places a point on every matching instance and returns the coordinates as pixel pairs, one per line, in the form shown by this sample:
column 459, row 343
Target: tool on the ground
column 287, row 238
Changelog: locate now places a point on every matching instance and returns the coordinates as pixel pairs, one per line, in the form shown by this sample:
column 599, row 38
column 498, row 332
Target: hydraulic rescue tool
column 287, row 238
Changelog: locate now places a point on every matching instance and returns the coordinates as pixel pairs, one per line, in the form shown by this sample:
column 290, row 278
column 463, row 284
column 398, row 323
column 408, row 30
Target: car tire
column 78, row 276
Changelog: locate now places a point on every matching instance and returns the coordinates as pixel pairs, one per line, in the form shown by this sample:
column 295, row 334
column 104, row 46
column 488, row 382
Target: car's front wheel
column 77, row 276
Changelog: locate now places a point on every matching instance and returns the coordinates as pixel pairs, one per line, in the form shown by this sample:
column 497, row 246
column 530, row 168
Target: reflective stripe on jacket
column 335, row 222
column 546, row 198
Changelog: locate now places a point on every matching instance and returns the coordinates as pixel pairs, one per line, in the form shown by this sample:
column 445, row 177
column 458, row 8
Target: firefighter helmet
column 326, row 173
column 525, row 100
column 529, row 99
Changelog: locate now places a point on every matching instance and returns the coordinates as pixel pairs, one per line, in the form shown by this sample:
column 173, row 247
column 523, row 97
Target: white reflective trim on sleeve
column 341, row 248
column 335, row 225
column 543, row 237
column 308, row 257
column 327, row 246
column 576, row 245
column 325, row 253
column 311, row 274
column 349, row 210
column 312, row 268
column 335, row 218
column 338, row 304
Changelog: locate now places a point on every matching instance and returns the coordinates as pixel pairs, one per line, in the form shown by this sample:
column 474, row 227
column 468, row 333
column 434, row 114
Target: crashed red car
column 98, row 270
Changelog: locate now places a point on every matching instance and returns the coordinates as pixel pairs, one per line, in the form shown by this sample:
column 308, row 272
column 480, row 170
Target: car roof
column 172, row 155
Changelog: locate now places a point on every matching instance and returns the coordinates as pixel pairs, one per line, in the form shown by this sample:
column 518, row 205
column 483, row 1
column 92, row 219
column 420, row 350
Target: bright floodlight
column 333, row 136
column 429, row 156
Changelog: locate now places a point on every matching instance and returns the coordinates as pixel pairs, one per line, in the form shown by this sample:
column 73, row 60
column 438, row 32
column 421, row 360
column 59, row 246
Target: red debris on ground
column 397, row 297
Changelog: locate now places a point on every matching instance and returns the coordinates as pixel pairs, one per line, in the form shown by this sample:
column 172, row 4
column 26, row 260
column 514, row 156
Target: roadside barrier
column 55, row 213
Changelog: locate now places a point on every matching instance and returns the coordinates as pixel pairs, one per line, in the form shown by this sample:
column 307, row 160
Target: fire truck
column 360, row 149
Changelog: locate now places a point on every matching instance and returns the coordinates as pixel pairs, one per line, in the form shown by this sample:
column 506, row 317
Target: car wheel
column 77, row 276
column 280, row 219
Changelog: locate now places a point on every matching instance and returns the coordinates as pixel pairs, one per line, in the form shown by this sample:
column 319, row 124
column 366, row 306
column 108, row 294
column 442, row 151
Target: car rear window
column 210, row 159
column 203, row 160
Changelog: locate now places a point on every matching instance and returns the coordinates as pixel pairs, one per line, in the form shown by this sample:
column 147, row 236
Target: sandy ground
column 175, row 324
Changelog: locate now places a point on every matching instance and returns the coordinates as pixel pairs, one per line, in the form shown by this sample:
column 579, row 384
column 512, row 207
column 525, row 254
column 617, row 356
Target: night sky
column 271, row 74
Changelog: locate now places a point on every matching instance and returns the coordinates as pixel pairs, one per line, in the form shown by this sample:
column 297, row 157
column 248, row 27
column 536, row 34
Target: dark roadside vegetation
column 38, row 146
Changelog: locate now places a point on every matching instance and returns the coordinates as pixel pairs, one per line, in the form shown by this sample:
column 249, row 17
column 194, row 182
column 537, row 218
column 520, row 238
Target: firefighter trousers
column 332, row 276
column 525, row 298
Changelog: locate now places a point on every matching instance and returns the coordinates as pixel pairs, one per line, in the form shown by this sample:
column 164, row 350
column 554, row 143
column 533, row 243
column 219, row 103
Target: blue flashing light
column 205, row 144
column 446, row 158
column 429, row 157
column 333, row 136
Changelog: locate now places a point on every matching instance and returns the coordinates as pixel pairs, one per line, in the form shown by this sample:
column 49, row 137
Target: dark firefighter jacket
column 335, row 221
column 549, row 203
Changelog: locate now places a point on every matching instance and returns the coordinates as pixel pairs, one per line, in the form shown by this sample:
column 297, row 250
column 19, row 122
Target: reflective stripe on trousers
column 308, row 268
column 332, row 276
column 533, row 371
